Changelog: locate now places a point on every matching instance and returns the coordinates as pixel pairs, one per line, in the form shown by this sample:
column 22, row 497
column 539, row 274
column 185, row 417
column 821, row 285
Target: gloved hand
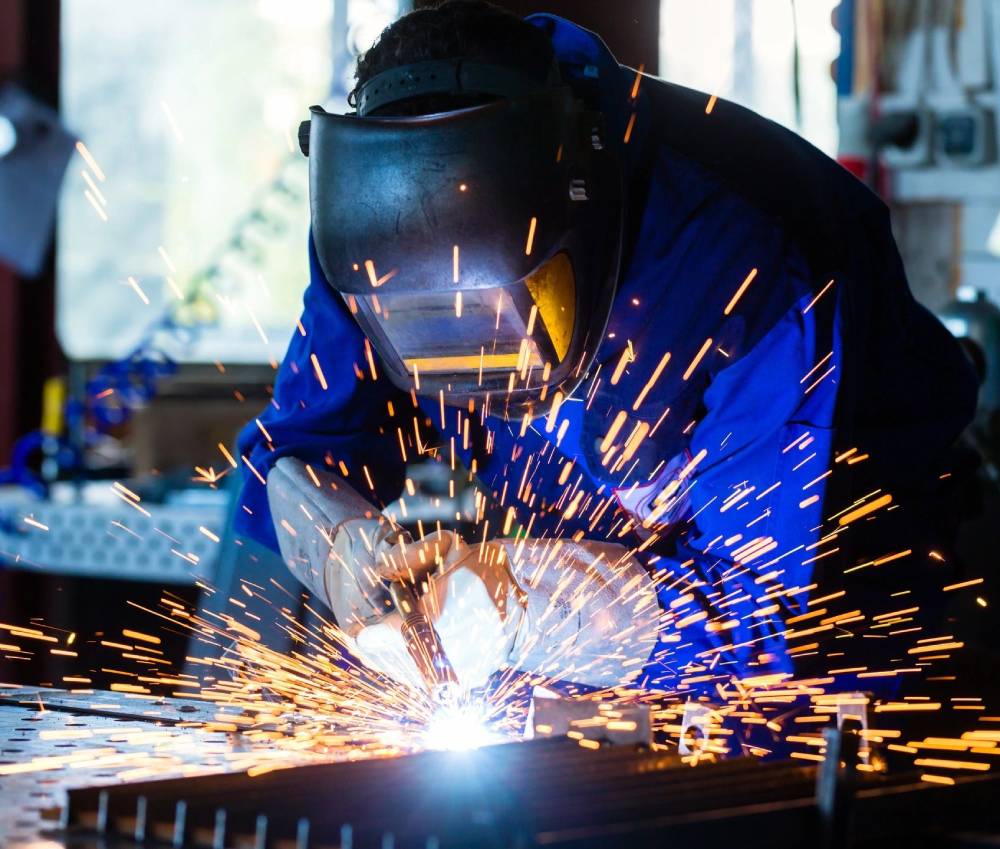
column 474, row 604
column 574, row 611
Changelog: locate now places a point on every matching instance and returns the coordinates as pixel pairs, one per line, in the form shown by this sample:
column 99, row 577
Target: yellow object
column 466, row 363
column 53, row 405
column 551, row 287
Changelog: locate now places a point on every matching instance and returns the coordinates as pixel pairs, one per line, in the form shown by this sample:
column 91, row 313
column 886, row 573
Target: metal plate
column 51, row 741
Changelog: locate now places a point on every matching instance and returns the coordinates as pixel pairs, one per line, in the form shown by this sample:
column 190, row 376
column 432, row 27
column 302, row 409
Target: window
column 189, row 200
column 742, row 50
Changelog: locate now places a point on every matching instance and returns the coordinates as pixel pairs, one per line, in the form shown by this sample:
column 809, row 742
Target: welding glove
column 333, row 541
column 572, row 611
column 344, row 552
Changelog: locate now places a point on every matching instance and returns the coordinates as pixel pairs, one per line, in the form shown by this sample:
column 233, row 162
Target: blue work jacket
column 802, row 378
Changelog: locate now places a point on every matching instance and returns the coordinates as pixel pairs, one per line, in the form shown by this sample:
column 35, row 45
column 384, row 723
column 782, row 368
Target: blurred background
column 153, row 221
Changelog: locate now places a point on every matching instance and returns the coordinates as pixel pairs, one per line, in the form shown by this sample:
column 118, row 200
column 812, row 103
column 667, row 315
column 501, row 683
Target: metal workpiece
column 542, row 793
column 590, row 720
column 53, row 740
column 69, row 778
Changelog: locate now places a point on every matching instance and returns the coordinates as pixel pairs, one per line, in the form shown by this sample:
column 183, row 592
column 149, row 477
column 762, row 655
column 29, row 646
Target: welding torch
column 424, row 644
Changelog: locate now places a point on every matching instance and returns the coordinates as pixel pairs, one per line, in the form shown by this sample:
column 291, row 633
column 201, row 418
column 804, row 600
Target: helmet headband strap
column 445, row 76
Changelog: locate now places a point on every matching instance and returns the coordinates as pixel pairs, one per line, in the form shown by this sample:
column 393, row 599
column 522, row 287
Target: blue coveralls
column 769, row 392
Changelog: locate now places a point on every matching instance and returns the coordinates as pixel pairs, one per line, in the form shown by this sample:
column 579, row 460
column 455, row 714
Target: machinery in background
column 93, row 534
column 974, row 320
column 34, row 151
column 918, row 85
column 919, row 116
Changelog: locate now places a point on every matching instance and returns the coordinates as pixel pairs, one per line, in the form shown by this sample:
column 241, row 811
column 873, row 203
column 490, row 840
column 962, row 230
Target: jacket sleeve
column 326, row 410
column 759, row 457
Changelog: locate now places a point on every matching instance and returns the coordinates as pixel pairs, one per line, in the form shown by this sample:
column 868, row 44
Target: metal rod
column 423, row 642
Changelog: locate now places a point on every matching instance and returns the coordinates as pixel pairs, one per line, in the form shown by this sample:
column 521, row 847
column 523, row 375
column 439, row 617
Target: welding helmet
column 479, row 248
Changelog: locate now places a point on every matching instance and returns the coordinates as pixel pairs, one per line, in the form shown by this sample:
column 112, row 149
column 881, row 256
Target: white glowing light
column 958, row 327
column 458, row 728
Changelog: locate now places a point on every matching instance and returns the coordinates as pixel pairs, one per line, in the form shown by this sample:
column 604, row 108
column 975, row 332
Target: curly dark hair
column 472, row 29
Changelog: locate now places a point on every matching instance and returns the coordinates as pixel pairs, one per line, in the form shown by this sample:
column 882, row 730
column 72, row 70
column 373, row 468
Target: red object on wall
column 861, row 167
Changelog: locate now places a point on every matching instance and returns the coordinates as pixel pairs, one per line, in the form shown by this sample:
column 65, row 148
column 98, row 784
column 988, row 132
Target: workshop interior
column 551, row 424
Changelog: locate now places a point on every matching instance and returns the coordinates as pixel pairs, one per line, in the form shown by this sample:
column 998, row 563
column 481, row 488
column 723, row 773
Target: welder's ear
column 304, row 130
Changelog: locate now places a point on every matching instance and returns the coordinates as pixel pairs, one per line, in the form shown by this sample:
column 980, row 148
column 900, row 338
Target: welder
column 673, row 341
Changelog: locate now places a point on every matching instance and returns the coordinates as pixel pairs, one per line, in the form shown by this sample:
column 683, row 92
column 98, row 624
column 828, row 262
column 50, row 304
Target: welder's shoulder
column 778, row 173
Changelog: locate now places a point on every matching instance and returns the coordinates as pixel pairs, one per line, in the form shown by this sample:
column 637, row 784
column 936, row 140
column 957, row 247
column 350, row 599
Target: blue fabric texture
column 824, row 351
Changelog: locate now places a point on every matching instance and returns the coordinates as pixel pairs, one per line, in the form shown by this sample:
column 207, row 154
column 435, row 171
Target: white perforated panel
column 166, row 546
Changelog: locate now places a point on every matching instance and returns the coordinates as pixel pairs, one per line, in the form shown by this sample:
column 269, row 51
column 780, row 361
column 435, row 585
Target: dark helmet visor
column 478, row 249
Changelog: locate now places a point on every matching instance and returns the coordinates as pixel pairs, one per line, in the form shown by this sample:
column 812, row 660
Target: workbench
column 65, row 740
column 111, row 770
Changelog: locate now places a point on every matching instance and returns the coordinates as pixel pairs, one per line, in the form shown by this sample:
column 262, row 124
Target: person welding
column 673, row 340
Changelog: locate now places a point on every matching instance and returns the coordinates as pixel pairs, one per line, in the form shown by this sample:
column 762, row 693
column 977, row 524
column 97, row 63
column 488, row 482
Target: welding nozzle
column 423, row 642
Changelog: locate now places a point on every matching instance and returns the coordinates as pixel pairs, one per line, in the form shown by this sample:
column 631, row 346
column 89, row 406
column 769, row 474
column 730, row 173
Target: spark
column 739, row 292
column 697, row 358
column 209, row 475
column 317, row 369
column 172, row 121
column 97, row 207
column 135, row 286
column 374, row 279
column 819, row 295
column 865, row 509
column 531, row 236
column 256, row 324
column 139, row 635
column 206, row 532
column 660, row 366
column 459, row 728
column 225, row 453
column 174, row 288
column 627, row 357
column 166, row 259
column 88, row 157
column 961, row 585
column 634, row 93
column 628, row 128
column 94, row 190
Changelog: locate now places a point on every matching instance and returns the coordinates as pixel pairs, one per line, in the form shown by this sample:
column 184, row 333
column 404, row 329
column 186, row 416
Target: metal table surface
column 56, row 743
column 53, row 740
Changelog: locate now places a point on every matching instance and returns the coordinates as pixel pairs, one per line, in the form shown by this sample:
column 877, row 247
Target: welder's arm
column 756, row 501
column 339, row 546
column 321, row 412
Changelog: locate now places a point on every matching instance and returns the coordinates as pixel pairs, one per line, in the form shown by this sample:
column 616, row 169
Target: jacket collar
column 590, row 68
